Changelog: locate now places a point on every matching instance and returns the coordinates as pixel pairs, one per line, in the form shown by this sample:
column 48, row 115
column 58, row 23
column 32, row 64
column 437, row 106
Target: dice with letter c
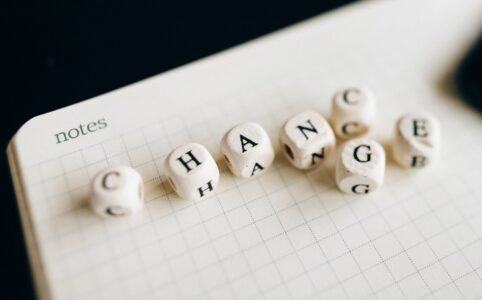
column 117, row 191
column 352, row 112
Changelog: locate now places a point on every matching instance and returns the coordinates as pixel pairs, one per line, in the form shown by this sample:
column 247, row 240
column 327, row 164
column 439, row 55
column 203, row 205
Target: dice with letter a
column 416, row 140
column 117, row 191
column 307, row 140
column 352, row 112
column 360, row 167
column 191, row 171
column 247, row 149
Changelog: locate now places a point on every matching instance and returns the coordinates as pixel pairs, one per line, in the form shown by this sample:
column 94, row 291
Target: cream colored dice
column 117, row 191
column 417, row 138
column 360, row 168
column 247, row 149
column 191, row 171
column 352, row 112
column 307, row 140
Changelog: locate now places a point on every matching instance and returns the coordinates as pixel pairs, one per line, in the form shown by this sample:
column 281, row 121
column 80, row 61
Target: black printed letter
column 115, row 211
column 106, row 177
column 245, row 141
column 208, row 188
column 346, row 95
column 185, row 163
column 346, row 125
column 419, row 128
column 362, row 191
column 320, row 155
column 418, row 161
column 303, row 128
column 368, row 157
column 257, row 167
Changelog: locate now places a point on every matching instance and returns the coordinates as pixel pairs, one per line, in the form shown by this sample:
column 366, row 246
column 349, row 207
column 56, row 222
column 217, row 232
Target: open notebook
column 286, row 234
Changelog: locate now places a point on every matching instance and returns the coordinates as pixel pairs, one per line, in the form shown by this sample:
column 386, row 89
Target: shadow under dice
column 247, row 150
column 307, row 140
column 360, row 167
column 191, row 171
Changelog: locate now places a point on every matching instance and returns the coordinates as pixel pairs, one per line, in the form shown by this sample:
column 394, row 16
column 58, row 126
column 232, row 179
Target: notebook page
column 286, row 234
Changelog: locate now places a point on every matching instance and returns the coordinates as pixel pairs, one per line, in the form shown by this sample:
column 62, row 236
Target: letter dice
column 117, row 191
column 417, row 138
column 352, row 112
column 307, row 139
column 360, row 167
column 191, row 171
column 247, row 149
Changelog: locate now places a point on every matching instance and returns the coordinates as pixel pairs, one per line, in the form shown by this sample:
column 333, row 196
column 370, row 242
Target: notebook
column 287, row 234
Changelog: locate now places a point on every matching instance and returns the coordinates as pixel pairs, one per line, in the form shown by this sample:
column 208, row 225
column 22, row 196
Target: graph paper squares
column 256, row 222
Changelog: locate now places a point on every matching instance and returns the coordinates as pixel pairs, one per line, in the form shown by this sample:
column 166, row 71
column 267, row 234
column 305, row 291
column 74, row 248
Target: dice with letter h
column 416, row 140
column 307, row 139
column 191, row 171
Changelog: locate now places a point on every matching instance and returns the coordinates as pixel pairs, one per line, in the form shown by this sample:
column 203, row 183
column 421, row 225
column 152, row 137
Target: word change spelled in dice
column 416, row 140
column 307, row 140
column 191, row 171
column 247, row 149
column 360, row 167
column 352, row 112
column 117, row 191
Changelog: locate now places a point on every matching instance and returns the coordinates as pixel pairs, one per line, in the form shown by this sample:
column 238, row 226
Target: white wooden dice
column 307, row 140
column 360, row 167
column 352, row 112
column 416, row 142
column 191, row 171
column 247, row 149
column 117, row 191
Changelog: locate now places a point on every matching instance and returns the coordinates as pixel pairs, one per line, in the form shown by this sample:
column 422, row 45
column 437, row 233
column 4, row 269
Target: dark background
column 55, row 53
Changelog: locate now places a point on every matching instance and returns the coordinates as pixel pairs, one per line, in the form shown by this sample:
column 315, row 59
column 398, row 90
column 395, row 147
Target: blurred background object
column 469, row 77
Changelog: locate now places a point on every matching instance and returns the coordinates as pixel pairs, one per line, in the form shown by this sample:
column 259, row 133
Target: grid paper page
column 286, row 234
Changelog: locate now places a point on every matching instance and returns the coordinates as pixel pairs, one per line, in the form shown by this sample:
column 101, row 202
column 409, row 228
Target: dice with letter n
column 307, row 140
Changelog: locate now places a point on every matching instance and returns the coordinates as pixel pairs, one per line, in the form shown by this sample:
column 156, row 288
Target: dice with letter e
column 416, row 142
column 117, row 191
column 352, row 112
column 307, row 140
column 360, row 168
column 191, row 171
column 247, row 149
